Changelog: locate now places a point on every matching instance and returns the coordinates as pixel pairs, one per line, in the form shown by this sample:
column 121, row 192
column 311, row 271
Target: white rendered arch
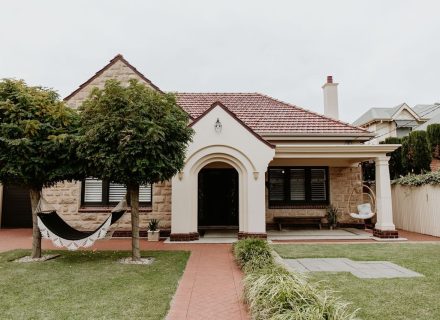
column 236, row 146
column 242, row 185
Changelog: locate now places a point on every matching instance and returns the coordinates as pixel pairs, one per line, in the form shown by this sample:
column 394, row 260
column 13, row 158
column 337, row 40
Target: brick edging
column 386, row 234
column 245, row 235
column 184, row 236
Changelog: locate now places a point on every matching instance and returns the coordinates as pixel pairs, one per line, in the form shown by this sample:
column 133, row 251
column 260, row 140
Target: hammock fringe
column 89, row 239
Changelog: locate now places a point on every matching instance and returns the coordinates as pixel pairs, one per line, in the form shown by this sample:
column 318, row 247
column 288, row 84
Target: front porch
column 299, row 235
column 234, row 178
column 329, row 174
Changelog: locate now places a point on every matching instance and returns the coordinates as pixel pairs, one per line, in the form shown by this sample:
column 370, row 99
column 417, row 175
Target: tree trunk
column 134, row 204
column 35, row 194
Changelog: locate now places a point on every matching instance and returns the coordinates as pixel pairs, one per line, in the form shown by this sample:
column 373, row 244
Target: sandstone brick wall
column 162, row 204
column 119, row 70
column 66, row 198
column 342, row 182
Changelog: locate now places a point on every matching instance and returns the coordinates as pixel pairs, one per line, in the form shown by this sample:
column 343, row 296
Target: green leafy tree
column 133, row 135
column 433, row 131
column 36, row 135
column 395, row 163
column 416, row 154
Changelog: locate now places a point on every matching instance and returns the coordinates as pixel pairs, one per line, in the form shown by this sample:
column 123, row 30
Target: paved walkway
column 360, row 269
column 209, row 289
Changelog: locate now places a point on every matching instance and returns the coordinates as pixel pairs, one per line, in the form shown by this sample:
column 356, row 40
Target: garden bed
column 272, row 292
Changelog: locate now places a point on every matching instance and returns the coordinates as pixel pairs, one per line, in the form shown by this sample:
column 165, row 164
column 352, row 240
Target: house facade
column 252, row 158
column 398, row 121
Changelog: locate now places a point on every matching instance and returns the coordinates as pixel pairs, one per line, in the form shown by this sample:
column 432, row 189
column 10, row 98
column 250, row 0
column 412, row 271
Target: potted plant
column 332, row 216
column 153, row 230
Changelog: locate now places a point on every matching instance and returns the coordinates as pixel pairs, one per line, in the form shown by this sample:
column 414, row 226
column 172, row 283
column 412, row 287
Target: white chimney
column 330, row 89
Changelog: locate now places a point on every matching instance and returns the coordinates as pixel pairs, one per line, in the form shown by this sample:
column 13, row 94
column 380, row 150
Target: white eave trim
column 360, row 151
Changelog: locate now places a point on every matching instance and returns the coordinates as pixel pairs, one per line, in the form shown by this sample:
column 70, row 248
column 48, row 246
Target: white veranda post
column 383, row 195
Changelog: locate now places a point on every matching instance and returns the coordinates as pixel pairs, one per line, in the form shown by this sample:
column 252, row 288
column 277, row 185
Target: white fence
column 417, row 209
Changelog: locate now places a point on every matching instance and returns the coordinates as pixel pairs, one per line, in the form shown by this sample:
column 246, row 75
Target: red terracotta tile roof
column 265, row 115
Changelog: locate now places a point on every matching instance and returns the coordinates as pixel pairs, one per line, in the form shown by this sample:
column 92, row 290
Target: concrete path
column 210, row 287
column 360, row 269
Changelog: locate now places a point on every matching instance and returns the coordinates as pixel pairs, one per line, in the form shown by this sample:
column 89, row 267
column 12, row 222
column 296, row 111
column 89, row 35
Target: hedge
column 419, row 179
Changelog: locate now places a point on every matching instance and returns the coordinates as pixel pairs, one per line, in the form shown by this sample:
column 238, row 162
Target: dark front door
column 218, row 197
column 16, row 211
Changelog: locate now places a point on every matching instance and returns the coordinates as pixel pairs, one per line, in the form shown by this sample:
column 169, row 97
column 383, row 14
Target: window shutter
column 92, row 190
column 297, row 184
column 116, row 192
column 145, row 193
column 276, row 185
column 318, row 185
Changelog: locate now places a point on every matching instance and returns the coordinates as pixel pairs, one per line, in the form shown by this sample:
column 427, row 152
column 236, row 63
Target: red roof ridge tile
column 108, row 65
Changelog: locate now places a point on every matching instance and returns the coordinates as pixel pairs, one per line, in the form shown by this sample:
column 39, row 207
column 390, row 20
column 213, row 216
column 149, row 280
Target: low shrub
column 273, row 293
column 252, row 254
column 278, row 294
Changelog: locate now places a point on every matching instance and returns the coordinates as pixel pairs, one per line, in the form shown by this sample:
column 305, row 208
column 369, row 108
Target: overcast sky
column 381, row 52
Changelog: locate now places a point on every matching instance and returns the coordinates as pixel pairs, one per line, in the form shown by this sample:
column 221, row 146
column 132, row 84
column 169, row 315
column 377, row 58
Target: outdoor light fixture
column 218, row 126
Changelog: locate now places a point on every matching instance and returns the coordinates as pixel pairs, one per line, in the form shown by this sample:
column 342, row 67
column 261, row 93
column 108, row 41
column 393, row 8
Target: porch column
column 254, row 218
column 384, row 227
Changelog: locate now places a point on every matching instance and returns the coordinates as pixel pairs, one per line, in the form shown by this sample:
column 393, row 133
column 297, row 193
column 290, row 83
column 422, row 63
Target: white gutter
column 334, row 151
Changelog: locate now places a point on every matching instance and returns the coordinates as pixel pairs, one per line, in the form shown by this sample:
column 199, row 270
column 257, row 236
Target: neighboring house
column 398, row 121
column 252, row 158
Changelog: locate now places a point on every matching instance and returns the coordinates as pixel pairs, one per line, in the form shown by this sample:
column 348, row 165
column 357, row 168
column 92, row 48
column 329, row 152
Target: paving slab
column 360, row 269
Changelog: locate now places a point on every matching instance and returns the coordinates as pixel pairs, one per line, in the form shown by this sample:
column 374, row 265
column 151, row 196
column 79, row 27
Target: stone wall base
column 245, row 235
column 184, row 236
column 386, row 234
column 143, row 233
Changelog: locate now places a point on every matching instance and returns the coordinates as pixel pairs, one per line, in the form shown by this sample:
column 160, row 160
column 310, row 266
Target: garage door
column 16, row 211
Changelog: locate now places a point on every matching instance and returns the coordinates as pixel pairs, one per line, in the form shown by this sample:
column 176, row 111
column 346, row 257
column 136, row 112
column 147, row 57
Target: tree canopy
column 395, row 163
column 433, row 131
column 132, row 134
column 36, row 130
column 37, row 146
column 416, row 154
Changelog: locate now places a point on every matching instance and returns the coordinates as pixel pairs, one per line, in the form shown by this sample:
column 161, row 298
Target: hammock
column 365, row 210
column 54, row 228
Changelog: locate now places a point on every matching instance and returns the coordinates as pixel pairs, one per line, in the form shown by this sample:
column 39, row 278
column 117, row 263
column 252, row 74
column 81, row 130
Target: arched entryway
column 218, row 197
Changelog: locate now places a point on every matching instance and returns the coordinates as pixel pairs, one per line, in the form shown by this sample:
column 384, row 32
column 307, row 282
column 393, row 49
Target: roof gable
column 404, row 112
column 384, row 114
column 221, row 105
column 118, row 68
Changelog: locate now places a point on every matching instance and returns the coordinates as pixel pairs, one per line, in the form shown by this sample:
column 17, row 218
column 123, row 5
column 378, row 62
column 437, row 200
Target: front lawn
column 89, row 285
column 402, row 298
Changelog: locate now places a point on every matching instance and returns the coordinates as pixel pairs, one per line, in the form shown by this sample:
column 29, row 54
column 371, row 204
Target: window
column 102, row 193
column 290, row 186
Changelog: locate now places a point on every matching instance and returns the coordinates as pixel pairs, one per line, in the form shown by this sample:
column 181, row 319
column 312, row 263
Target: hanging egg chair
column 364, row 210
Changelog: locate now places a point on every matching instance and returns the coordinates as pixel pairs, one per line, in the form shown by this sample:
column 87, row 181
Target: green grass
column 88, row 285
column 404, row 298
